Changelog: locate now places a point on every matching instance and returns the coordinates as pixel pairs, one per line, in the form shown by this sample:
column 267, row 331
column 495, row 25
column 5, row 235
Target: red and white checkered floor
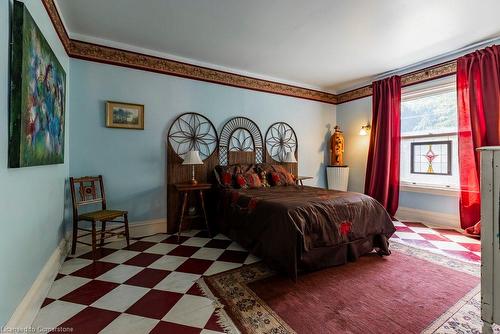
column 150, row 287
column 443, row 241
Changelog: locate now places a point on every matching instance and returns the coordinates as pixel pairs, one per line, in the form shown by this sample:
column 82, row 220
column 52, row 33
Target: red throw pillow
column 280, row 169
column 282, row 179
column 253, row 180
column 290, row 179
column 277, row 179
column 227, row 179
column 241, row 181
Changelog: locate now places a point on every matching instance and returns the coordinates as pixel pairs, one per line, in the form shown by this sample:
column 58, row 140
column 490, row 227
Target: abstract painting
column 37, row 96
column 124, row 115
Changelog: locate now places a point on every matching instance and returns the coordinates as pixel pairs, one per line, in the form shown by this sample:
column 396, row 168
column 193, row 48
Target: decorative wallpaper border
column 104, row 54
column 119, row 57
column 109, row 55
column 416, row 77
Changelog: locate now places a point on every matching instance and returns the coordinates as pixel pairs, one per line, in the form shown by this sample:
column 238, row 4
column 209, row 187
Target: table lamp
column 192, row 158
column 290, row 158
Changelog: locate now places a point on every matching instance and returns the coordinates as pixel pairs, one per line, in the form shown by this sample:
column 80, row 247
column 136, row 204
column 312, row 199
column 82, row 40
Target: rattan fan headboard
column 240, row 142
column 281, row 139
column 189, row 131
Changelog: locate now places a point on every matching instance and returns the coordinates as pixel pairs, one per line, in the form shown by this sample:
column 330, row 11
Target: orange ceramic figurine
column 337, row 148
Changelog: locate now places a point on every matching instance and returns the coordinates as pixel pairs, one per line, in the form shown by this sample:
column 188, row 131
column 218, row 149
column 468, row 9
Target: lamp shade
column 192, row 158
column 290, row 157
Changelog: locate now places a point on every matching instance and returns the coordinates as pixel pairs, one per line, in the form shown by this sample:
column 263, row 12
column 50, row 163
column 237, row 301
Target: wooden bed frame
column 240, row 142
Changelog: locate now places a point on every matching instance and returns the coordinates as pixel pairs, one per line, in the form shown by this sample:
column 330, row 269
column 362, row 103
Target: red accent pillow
column 282, row 179
column 227, row 179
column 280, row 169
column 241, row 181
column 253, row 180
column 248, row 180
column 289, row 178
column 277, row 179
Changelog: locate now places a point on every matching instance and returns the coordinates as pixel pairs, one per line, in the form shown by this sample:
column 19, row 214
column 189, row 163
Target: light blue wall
column 133, row 162
column 351, row 116
column 31, row 199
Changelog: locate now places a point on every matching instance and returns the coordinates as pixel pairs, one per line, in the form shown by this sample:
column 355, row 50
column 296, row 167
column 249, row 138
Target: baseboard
column 27, row 310
column 137, row 229
column 148, row 227
column 430, row 218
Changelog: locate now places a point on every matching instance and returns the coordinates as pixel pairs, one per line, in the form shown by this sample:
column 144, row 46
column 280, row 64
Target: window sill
column 428, row 189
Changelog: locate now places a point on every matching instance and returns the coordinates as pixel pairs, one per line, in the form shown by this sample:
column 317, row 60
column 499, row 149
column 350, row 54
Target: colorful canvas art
column 37, row 100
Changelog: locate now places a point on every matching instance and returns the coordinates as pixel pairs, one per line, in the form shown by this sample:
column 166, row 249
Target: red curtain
column 478, row 94
column 382, row 170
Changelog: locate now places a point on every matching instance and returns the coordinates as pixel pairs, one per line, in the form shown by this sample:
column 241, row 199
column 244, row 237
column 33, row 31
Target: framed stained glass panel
column 431, row 157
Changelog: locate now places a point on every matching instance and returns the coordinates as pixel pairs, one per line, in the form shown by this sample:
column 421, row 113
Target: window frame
column 427, row 89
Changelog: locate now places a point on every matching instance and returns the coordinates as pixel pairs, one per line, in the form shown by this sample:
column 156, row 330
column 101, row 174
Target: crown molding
column 109, row 55
column 53, row 13
column 142, row 50
column 412, row 78
column 120, row 57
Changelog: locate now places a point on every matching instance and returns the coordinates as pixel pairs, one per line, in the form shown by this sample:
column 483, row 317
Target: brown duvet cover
column 293, row 228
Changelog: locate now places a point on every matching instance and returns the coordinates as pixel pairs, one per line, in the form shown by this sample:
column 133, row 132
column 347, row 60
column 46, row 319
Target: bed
column 292, row 228
column 296, row 228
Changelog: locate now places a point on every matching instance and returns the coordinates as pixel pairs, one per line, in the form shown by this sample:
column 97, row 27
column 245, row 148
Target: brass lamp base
column 193, row 179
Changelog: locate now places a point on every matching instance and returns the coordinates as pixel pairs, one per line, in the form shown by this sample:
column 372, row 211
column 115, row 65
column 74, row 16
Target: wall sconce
column 364, row 129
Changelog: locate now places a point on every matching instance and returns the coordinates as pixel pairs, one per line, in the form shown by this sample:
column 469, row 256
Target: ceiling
column 324, row 44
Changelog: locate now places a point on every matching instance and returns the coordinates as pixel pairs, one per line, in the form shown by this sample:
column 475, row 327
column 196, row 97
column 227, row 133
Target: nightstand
column 185, row 191
column 300, row 179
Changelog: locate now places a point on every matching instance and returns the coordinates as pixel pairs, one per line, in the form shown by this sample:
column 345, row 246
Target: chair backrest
column 85, row 191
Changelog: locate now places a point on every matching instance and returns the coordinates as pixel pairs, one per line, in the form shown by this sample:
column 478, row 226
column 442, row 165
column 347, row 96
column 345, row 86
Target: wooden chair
column 89, row 190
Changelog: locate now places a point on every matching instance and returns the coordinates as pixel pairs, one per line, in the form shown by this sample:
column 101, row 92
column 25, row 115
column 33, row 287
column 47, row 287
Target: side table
column 185, row 191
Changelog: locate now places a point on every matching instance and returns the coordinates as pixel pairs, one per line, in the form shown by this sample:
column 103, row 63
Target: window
column 429, row 148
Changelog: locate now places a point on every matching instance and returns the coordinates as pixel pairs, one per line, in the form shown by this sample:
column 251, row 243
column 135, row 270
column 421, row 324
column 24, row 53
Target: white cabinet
column 337, row 177
column 490, row 246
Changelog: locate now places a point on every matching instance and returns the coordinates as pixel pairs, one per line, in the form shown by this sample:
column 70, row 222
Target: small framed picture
column 124, row 115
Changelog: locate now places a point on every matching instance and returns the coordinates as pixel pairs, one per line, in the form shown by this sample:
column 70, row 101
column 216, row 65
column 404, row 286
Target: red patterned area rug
column 411, row 291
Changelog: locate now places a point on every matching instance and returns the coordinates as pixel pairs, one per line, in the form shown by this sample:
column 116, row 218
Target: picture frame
column 123, row 115
column 37, row 96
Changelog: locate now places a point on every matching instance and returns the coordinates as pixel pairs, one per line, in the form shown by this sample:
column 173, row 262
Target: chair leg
column 94, row 242
column 75, row 236
column 103, row 229
column 127, row 235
